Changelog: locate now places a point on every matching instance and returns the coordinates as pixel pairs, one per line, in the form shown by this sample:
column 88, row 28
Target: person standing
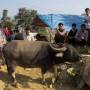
column 2, row 42
column 29, row 35
column 87, row 22
column 2, row 39
column 8, row 33
column 18, row 35
column 87, row 18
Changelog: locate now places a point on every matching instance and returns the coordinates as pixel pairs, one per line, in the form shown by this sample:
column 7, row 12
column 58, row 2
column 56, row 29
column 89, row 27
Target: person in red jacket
column 8, row 33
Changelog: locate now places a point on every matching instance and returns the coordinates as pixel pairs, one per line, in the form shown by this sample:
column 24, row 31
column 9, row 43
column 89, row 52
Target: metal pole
column 51, row 26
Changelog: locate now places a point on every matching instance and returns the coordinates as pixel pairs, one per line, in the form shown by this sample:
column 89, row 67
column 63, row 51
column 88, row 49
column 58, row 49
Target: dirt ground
column 27, row 79
column 32, row 80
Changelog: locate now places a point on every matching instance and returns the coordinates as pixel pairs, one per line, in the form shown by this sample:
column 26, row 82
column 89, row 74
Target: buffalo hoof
column 51, row 86
column 15, row 84
column 43, row 82
column 81, row 85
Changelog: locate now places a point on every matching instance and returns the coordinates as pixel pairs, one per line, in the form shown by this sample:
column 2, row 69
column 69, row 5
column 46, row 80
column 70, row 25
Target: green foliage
column 5, row 20
column 25, row 17
column 9, row 24
column 44, row 31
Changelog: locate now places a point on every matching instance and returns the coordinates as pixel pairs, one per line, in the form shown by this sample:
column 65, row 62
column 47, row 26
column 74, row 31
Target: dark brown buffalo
column 37, row 54
column 85, row 74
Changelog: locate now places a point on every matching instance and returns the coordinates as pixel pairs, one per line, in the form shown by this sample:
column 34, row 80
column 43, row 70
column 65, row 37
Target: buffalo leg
column 43, row 78
column 43, row 71
column 55, row 74
column 11, row 70
column 54, row 77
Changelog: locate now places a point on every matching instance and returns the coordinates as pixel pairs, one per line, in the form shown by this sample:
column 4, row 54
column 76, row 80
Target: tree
column 25, row 17
column 9, row 24
column 5, row 20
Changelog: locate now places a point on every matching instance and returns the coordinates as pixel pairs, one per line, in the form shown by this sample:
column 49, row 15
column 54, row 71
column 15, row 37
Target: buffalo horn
column 62, row 49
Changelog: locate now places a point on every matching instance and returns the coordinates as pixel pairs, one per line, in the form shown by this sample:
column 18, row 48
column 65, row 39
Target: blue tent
column 52, row 20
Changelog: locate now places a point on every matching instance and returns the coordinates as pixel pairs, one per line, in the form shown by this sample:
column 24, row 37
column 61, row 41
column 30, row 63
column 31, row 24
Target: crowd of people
column 6, row 35
column 75, row 36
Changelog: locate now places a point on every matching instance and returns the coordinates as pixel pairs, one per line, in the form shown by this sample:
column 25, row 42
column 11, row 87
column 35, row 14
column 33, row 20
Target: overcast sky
column 46, row 6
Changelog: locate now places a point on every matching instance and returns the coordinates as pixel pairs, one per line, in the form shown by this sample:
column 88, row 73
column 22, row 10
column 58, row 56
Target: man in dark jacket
column 72, row 33
column 60, row 35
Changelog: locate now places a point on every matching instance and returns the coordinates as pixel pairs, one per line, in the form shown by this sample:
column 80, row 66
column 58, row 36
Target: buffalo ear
column 59, row 55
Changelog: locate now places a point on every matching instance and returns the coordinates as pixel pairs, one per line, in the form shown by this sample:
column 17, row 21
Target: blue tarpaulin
column 52, row 20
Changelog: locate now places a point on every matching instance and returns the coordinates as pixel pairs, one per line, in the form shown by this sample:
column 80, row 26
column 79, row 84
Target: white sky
column 46, row 6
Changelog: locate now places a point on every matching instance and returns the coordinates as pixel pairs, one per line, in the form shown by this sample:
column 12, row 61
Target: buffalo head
column 66, row 52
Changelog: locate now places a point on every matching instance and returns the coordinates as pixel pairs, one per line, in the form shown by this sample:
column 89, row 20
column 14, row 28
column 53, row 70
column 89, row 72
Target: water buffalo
column 37, row 54
column 85, row 74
